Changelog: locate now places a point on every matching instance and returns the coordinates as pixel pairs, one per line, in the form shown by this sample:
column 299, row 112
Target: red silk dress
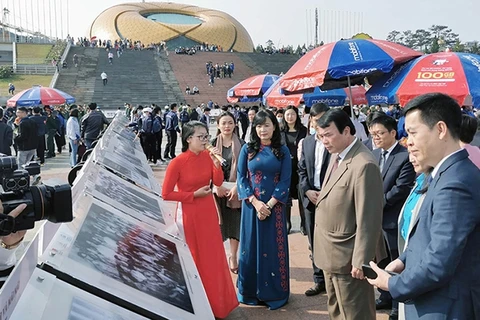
column 189, row 172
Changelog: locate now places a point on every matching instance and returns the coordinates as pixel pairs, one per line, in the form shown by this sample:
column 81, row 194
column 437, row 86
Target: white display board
column 122, row 256
column 48, row 298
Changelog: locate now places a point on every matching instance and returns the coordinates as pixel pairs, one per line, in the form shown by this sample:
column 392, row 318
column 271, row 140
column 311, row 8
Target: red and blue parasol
column 251, row 89
column 38, row 95
column 452, row 73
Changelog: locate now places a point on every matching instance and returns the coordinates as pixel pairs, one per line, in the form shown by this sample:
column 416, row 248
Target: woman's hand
column 233, row 194
column 221, row 191
column 202, row 192
column 262, row 210
column 213, row 151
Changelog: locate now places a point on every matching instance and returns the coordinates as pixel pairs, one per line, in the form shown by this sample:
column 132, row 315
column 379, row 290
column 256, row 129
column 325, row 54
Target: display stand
column 122, row 256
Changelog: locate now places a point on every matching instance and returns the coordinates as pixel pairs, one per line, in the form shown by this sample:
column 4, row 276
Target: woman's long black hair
column 255, row 143
column 298, row 123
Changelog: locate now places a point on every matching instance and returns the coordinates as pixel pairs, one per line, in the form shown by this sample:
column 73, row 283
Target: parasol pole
column 350, row 96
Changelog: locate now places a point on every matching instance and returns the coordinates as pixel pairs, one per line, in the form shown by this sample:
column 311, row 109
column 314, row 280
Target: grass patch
column 22, row 82
column 32, row 53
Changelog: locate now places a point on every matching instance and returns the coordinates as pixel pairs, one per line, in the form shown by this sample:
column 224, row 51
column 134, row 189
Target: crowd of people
column 40, row 133
column 218, row 71
column 396, row 202
column 390, row 191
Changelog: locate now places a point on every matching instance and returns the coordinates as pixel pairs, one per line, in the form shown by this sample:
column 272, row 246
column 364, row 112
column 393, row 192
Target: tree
column 435, row 46
column 298, row 50
column 458, row 47
column 394, row 36
column 270, row 45
column 445, row 35
column 474, row 48
column 422, row 39
column 408, row 39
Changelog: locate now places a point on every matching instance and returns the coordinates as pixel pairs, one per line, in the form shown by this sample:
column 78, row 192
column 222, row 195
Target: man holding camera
column 26, row 140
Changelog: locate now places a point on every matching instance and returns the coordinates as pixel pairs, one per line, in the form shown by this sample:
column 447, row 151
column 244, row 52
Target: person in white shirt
column 104, row 78
column 73, row 134
column 251, row 115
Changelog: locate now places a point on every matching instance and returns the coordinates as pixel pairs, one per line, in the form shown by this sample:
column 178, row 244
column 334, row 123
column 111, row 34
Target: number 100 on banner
column 435, row 77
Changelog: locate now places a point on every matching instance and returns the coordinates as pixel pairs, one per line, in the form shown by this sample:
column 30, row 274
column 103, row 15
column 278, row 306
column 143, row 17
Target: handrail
column 53, row 83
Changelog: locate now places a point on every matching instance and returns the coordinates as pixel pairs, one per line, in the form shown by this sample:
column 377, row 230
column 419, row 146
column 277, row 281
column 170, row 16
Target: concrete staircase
column 80, row 82
column 137, row 77
column 263, row 63
column 190, row 70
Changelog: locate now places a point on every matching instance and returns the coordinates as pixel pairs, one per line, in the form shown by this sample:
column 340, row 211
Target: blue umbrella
column 337, row 64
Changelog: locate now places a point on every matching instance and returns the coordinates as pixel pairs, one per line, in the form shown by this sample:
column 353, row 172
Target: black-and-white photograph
column 138, row 258
column 131, row 157
column 127, row 134
column 129, row 196
column 135, row 174
column 84, row 310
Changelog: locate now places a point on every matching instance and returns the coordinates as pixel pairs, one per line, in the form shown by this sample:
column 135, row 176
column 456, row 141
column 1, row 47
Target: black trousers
column 318, row 276
column 158, row 142
column 171, row 144
column 60, row 142
column 41, row 148
column 244, row 129
column 149, row 146
column 50, row 143
column 391, row 242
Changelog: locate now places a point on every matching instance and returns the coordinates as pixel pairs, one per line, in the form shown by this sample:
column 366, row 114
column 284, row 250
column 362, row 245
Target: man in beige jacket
column 348, row 219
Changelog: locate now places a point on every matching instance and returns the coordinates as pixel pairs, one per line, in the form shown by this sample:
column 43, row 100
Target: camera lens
column 10, row 184
column 48, row 201
column 22, row 183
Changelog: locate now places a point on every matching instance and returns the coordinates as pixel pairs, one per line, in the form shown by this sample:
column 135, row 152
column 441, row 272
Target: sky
column 285, row 22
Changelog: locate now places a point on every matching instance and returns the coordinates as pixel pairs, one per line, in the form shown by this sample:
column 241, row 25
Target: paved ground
column 299, row 306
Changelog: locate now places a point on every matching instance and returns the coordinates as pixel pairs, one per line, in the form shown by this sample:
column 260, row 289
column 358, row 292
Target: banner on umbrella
column 452, row 73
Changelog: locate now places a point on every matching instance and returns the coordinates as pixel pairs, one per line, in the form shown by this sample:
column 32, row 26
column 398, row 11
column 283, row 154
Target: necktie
column 336, row 161
column 383, row 159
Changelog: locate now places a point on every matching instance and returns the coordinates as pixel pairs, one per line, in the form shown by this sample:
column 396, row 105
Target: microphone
column 220, row 159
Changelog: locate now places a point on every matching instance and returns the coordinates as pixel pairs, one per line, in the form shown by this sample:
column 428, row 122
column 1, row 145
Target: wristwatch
column 10, row 246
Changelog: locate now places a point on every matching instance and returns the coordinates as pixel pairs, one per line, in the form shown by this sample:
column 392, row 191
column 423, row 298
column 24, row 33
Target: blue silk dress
column 263, row 268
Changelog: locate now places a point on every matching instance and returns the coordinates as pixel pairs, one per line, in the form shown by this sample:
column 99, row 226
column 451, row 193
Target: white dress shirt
column 435, row 170
column 342, row 154
column 319, row 152
column 389, row 151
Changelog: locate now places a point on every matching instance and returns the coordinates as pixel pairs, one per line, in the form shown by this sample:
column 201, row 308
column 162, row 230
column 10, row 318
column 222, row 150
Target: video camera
column 49, row 200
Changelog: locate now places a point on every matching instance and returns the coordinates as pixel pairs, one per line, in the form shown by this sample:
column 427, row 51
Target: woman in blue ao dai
column 264, row 171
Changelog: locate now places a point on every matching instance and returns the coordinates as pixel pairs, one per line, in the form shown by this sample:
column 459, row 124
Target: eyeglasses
column 204, row 137
column 378, row 134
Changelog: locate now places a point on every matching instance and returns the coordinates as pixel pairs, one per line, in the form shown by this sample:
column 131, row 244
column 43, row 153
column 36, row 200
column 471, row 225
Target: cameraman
column 8, row 246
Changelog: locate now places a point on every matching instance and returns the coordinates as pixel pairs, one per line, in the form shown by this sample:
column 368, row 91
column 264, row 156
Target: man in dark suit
column 171, row 129
column 398, row 178
column 26, row 139
column 439, row 270
column 312, row 166
column 6, row 137
column 41, row 121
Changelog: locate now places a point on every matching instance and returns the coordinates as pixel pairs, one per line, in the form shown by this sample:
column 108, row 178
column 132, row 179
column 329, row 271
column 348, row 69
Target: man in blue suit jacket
column 398, row 178
column 439, row 277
